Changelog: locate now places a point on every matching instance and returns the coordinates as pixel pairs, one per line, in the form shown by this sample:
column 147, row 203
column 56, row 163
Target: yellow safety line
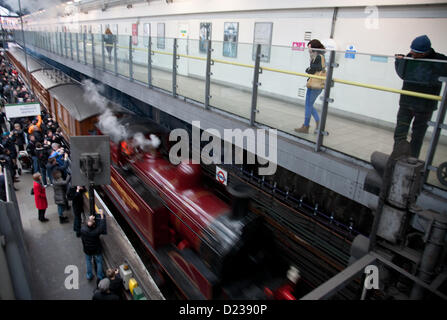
column 96, row 207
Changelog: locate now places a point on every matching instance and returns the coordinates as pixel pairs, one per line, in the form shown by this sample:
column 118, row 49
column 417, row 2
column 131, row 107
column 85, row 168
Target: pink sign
column 134, row 33
column 298, row 46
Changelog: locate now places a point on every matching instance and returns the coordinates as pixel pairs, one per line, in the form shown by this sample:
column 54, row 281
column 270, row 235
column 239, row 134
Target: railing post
column 103, row 53
column 254, row 94
column 149, row 62
column 326, row 101
column 71, row 46
column 174, row 68
column 208, row 75
column 62, row 45
column 130, row 59
column 77, row 47
column 84, row 40
column 93, row 50
column 436, row 133
column 65, row 44
column 115, row 58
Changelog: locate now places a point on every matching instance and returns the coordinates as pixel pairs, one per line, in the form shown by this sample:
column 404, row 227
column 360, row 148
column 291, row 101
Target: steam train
column 209, row 249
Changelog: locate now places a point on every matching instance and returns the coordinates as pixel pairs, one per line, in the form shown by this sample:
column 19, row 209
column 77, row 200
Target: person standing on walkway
column 60, row 194
column 40, row 196
column 317, row 64
column 76, row 194
column 91, row 243
column 419, row 76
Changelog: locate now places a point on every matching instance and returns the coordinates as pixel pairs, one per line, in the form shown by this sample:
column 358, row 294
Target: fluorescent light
column 70, row 2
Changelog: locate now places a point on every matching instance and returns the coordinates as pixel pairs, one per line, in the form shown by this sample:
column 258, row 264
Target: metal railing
column 133, row 56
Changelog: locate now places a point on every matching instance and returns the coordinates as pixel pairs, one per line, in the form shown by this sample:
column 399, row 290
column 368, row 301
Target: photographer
column 420, row 76
column 91, row 243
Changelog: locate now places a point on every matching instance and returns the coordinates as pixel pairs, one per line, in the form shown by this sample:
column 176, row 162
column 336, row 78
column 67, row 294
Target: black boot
column 63, row 219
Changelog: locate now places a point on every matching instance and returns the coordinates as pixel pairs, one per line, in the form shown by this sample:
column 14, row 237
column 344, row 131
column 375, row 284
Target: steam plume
column 108, row 122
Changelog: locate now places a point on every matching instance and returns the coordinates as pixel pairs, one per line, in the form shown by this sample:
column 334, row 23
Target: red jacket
column 40, row 197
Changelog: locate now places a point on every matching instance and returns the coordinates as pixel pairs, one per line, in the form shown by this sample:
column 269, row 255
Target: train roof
column 33, row 64
column 50, row 78
column 71, row 96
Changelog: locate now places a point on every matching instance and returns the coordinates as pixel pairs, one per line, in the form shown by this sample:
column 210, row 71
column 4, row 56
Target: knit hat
column 104, row 285
column 421, row 44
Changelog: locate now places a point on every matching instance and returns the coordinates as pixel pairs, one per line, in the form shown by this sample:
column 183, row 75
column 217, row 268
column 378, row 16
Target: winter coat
column 2, row 188
column 77, row 199
column 40, row 196
column 43, row 153
column 90, row 237
column 421, row 76
column 19, row 137
column 60, row 190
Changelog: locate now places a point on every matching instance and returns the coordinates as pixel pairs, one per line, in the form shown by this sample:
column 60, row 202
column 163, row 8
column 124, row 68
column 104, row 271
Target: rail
column 300, row 74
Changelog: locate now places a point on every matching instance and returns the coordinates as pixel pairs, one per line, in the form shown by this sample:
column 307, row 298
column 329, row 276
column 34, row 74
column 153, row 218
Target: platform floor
column 52, row 247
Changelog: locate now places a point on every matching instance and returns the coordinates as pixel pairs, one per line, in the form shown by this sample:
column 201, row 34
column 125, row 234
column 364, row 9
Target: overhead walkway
column 360, row 121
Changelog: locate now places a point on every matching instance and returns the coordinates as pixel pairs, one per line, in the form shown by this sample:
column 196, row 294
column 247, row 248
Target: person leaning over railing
column 419, row 76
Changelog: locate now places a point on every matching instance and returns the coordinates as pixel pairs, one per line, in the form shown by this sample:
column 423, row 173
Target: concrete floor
column 52, row 247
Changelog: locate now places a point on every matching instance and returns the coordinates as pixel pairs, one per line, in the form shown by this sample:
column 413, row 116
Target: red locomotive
column 208, row 248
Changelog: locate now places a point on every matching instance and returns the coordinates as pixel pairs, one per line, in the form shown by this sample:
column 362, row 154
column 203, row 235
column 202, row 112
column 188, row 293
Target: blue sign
column 350, row 52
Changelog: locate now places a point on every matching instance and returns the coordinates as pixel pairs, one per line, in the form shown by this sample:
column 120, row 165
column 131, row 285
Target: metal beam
column 256, row 84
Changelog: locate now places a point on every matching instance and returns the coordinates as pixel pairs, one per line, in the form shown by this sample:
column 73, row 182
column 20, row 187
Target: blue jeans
column 98, row 259
column 311, row 96
column 49, row 175
column 60, row 209
column 35, row 164
column 43, row 172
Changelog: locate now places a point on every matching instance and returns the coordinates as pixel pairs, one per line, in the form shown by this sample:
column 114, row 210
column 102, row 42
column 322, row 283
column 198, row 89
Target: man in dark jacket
column 2, row 187
column 419, row 76
column 91, row 243
column 31, row 150
column 76, row 194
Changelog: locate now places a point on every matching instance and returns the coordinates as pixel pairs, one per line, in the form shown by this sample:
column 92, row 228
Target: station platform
column 53, row 246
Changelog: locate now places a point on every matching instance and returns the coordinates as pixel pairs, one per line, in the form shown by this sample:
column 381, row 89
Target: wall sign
column 204, row 35
column 221, row 176
column 134, row 33
column 263, row 36
column 298, row 46
column 231, row 33
column 22, row 110
column 350, row 52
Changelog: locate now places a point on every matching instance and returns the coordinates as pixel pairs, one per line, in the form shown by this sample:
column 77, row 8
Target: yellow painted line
column 96, row 207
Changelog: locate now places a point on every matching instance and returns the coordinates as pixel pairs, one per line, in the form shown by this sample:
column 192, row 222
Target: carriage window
column 59, row 111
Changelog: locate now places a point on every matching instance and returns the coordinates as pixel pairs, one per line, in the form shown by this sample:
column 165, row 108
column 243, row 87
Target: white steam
column 108, row 122
column 139, row 140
